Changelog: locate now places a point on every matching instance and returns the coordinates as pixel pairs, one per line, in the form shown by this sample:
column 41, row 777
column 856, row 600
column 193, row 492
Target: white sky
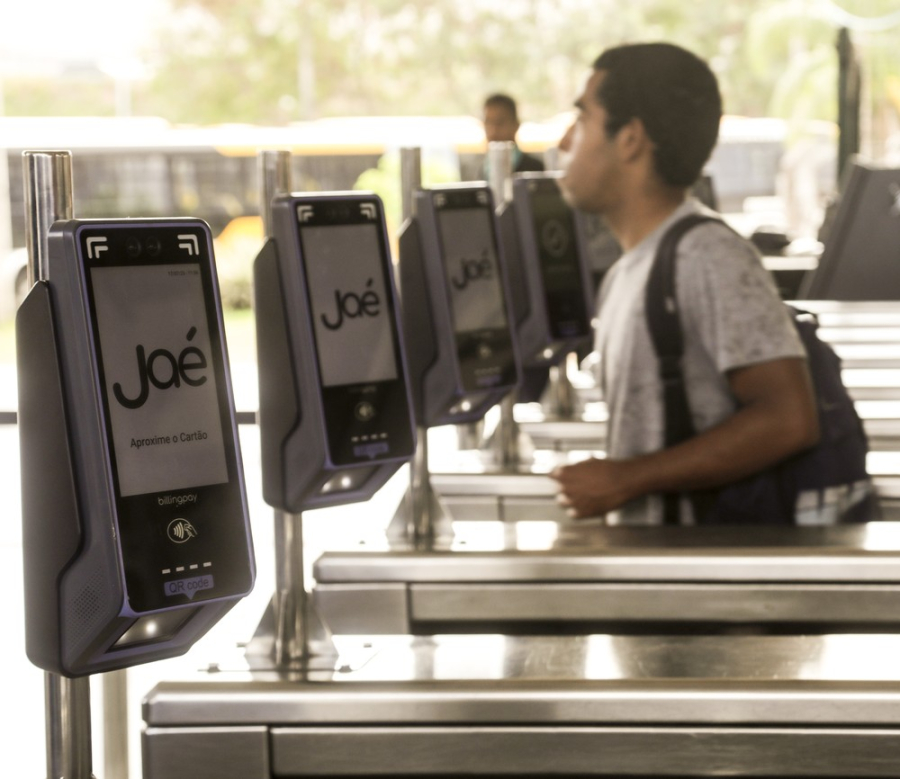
column 36, row 32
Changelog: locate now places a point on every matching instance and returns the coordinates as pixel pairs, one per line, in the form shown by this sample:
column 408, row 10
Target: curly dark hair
column 674, row 94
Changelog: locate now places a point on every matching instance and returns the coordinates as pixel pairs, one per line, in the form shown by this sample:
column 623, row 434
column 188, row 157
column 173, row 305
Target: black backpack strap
column 664, row 323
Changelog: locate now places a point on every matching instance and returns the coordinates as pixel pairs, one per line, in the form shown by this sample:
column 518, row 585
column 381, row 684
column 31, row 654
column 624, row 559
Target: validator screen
column 554, row 226
column 350, row 304
column 472, row 271
column 158, row 377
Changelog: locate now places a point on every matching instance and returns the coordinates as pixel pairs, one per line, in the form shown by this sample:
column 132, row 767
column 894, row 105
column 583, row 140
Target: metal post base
column 508, row 450
column 319, row 654
column 403, row 529
column 562, row 401
column 291, row 635
column 470, row 435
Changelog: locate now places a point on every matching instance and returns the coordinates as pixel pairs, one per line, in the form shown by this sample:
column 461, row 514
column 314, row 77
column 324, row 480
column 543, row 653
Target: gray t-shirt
column 731, row 317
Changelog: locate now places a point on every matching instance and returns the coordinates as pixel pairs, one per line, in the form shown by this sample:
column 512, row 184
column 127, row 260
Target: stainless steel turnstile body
column 597, row 705
column 589, row 435
column 617, row 702
column 588, row 578
column 865, row 335
column 522, row 496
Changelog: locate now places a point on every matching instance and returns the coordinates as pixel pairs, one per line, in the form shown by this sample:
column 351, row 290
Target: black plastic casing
column 539, row 345
column 299, row 469
column 431, row 346
column 77, row 600
column 859, row 261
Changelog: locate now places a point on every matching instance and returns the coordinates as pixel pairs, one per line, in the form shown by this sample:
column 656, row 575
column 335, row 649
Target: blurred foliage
column 384, row 181
column 74, row 96
column 277, row 61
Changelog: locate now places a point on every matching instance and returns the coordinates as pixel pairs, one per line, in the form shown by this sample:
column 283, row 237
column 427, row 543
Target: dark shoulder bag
column 768, row 497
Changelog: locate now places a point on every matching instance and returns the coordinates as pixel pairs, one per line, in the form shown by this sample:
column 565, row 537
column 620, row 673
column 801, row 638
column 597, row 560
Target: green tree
column 273, row 62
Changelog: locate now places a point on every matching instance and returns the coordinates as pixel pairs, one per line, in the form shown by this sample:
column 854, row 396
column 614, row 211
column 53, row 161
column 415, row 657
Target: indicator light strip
column 373, row 437
column 180, row 568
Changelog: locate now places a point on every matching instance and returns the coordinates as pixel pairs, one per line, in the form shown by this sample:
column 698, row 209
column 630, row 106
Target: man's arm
column 776, row 418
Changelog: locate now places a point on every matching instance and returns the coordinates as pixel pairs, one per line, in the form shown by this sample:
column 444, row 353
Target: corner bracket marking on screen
column 96, row 245
column 190, row 245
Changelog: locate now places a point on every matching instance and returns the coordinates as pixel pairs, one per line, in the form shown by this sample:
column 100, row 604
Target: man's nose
column 565, row 142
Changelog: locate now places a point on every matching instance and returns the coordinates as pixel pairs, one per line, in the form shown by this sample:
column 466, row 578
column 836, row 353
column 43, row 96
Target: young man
column 501, row 123
column 647, row 122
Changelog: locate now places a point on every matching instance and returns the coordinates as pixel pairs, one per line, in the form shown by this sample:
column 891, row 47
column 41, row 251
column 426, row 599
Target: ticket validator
column 457, row 320
column 859, row 261
column 335, row 412
column 136, row 532
column 549, row 274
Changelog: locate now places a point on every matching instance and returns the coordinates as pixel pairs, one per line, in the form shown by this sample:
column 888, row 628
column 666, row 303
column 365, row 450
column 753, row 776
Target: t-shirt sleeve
column 728, row 300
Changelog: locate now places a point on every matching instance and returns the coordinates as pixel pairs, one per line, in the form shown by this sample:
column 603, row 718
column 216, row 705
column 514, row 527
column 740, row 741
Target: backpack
column 769, row 497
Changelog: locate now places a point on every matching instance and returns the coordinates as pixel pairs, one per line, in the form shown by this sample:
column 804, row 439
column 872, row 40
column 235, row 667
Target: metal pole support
column 67, row 702
column 419, row 519
column 500, row 171
column 274, row 167
column 562, row 393
column 115, row 724
column 410, row 180
column 505, row 442
column 300, row 634
column 48, row 198
column 505, row 439
column 419, row 525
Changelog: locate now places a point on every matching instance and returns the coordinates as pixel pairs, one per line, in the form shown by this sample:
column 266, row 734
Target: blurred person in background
column 501, row 123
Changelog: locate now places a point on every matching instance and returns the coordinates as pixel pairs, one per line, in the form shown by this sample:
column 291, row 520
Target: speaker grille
column 84, row 609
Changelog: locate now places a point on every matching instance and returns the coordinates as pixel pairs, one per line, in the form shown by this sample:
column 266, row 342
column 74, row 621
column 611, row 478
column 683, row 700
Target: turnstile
column 586, row 577
column 589, row 434
column 598, row 705
column 522, row 496
column 864, row 334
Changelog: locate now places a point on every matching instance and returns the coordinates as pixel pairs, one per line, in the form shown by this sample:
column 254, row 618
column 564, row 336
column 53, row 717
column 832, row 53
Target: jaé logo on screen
column 350, row 305
column 163, row 370
column 473, row 270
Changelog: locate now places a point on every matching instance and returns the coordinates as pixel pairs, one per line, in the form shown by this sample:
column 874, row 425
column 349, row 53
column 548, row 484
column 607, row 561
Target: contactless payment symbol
column 180, row 530
column 555, row 237
column 364, row 411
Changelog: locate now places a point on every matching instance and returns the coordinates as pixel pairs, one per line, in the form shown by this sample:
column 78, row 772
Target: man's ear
column 633, row 141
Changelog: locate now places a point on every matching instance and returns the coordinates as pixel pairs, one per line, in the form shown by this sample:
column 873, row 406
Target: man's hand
column 593, row 487
column 776, row 418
